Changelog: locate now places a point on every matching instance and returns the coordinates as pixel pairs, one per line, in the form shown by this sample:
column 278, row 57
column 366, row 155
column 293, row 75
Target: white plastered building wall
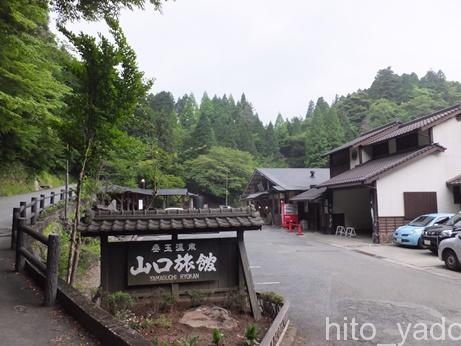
column 428, row 174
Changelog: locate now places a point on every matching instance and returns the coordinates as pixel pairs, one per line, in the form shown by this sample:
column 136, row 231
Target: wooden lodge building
column 127, row 198
column 390, row 175
column 269, row 187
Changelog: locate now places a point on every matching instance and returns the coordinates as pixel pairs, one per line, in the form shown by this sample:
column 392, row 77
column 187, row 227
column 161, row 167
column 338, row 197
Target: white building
column 390, row 175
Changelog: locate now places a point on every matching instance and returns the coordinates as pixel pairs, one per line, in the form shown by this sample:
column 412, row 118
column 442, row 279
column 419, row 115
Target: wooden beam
column 248, row 278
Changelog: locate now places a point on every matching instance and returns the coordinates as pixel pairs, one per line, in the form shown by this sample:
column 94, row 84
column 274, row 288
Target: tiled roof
column 294, row 179
column 166, row 222
column 309, row 195
column 455, row 181
column 370, row 135
column 423, row 123
column 160, row 192
column 372, row 170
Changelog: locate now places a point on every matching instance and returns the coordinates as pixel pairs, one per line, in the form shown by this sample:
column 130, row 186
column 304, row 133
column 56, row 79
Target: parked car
column 411, row 234
column 433, row 235
column 450, row 252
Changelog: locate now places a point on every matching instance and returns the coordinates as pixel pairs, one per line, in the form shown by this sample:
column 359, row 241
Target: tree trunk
column 72, row 261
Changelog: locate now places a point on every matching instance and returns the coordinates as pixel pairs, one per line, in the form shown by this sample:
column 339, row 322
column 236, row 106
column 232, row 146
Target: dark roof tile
column 419, row 123
column 367, row 136
column 371, row 170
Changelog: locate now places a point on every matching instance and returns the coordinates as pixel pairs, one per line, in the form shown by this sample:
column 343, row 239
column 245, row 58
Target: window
column 381, row 149
column 339, row 162
column 407, row 142
column 421, row 221
column 419, row 203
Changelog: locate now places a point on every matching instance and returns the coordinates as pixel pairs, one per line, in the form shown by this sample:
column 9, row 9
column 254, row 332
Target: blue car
column 411, row 234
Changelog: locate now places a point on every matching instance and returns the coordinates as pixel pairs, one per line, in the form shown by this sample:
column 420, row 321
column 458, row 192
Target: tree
column 96, row 9
column 208, row 172
column 381, row 112
column 310, row 109
column 317, row 136
column 31, row 86
column 281, row 129
column 386, row 85
column 164, row 119
column 187, row 111
column 203, row 137
column 107, row 87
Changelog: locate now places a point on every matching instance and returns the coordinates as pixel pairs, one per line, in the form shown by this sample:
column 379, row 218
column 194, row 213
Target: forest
column 86, row 102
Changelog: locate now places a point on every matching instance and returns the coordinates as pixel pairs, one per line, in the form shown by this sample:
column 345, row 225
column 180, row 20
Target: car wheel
column 451, row 260
column 420, row 243
column 434, row 251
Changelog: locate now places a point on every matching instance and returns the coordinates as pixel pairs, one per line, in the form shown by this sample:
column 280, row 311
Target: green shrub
column 188, row 341
column 156, row 342
column 251, row 333
column 118, row 301
column 272, row 297
column 217, row 337
column 168, row 301
column 196, row 297
column 236, row 301
column 162, row 322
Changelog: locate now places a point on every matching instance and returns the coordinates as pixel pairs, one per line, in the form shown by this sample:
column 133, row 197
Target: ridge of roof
column 365, row 136
column 268, row 173
column 372, row 170
column 424, row 122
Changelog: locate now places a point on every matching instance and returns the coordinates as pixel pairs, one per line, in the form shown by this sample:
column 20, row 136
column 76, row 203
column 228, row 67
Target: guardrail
column 23, row 218
column 278, row 328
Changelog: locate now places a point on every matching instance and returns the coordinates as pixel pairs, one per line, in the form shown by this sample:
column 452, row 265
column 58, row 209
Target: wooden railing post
column 14, row 226
column 42, row 202
column 52, row 270
column 34, row 210
column 19, row 262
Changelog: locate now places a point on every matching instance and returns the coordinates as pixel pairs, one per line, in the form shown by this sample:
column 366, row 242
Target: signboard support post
column 248, row 278
column 104, row 264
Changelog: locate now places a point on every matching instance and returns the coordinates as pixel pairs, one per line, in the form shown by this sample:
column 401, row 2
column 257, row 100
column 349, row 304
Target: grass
column 15, row 179
column 89, row 250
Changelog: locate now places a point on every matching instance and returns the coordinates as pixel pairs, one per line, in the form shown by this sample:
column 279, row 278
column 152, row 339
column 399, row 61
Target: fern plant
column 218, row 337
column 251, row 333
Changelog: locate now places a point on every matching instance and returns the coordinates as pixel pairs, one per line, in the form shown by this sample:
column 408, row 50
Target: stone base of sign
column 210, row 317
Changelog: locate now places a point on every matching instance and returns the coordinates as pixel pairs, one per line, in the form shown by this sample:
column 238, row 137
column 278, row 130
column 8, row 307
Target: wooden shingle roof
column 167, row 222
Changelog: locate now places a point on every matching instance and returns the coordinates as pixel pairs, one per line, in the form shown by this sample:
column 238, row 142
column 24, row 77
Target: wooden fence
column 25, row 216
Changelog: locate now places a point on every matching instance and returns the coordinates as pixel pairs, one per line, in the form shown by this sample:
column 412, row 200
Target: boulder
column 209, row 317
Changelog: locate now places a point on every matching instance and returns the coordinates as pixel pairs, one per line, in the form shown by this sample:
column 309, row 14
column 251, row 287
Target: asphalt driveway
column 355, row 281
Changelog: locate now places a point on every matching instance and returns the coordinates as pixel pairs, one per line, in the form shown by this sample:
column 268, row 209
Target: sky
column 282, row 54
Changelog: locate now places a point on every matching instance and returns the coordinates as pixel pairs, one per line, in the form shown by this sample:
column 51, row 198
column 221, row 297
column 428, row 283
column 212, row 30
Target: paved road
column 23, row 319
column 323, row 281
column 8, row 203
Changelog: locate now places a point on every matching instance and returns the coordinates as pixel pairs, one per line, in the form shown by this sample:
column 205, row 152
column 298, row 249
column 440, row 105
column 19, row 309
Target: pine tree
column 203, row 137
column 317, row 136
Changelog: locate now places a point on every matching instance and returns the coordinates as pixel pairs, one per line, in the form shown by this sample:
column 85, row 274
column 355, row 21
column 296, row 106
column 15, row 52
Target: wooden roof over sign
column 171, row 222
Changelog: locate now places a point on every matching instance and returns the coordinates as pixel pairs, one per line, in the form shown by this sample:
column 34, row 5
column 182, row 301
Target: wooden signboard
column 189, row 260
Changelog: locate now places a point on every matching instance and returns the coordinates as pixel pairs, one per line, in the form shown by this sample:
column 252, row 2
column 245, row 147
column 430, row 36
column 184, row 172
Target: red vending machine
column 289, row 214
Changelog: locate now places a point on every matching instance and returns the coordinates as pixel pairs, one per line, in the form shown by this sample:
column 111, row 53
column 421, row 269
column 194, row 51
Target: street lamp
column 143, row 183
